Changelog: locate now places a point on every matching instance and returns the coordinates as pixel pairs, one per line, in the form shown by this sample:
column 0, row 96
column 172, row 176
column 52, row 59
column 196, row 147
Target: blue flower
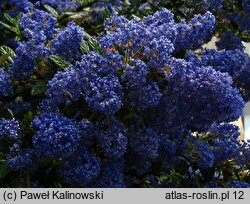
column 62, row 5
column 135, row 74
column 212, row 5
column 196, row 33
column 204, row 155
column 26, row 55
column 104, row 94
column 164, row 16
column 67, row 43
column 37, row 24
column 65, row 87
column 24, row 160
column 57, row 136
column 82, row 168
column 147, row 96
column 111, row 175
column 10, row 129
column 225, row 142
column 231, row 61
column 196, row 97
column 229, row 41
column 145, row 142
column 86, row 129
column 139, row 39
column 18, row 6
column 5, row 83
column 102, row 91
column 142, row 93
column 212, row 184
column 112, row 138
column 237, row 184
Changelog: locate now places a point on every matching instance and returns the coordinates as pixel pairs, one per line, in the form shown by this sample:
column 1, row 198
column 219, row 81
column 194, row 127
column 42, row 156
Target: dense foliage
column 123, row 93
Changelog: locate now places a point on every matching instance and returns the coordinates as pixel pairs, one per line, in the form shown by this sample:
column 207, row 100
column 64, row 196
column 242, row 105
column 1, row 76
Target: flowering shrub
column 140, row 105
column 231, row 15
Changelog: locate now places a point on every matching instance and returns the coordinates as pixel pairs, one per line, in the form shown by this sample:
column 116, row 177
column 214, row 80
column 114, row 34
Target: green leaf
column 39, row 88
column 12, row 28
column 51, row 10
column 4, row 58
column 163, row 177
column 28, row 118
column 85, row 3
column 13, row 21
column 78, row 15
column 9, row 18
column 65, row 15
column 16, row 19
column 84, row 47
column 4, row 170
column 4, row 50
column 106, row 13
column 59, row 61
column 93, row 44
column 10, row 112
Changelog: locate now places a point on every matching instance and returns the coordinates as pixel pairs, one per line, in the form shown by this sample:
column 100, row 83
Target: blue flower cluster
column 135, row 74
column 10, row 132
column 213, row 5
column 10, row 129
column 94, row 79
column 145, row 142
column 38, row 27
column 196, row 33
column 65, row 87
column 61, row 5
column 37, row 24
column 229, row 41
column 104, row 6
column 57, row 136
column 142, row 93
column 237, row 184
column 86, row 129
column 156, row 41
column 18, row 6
column 147, row 96
column 27, row 52
column 139, row 39
column 111, row 175
column 225, row 142
column 82, row 168
column 137, row 105
column 206, row 156
column 26, row 160
column 197, row 96
column 5, row 83
column 234, row 62
column 246, row 6
column 104, row 94
column 231, row 61
column 67, row 43
column 113, row 139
